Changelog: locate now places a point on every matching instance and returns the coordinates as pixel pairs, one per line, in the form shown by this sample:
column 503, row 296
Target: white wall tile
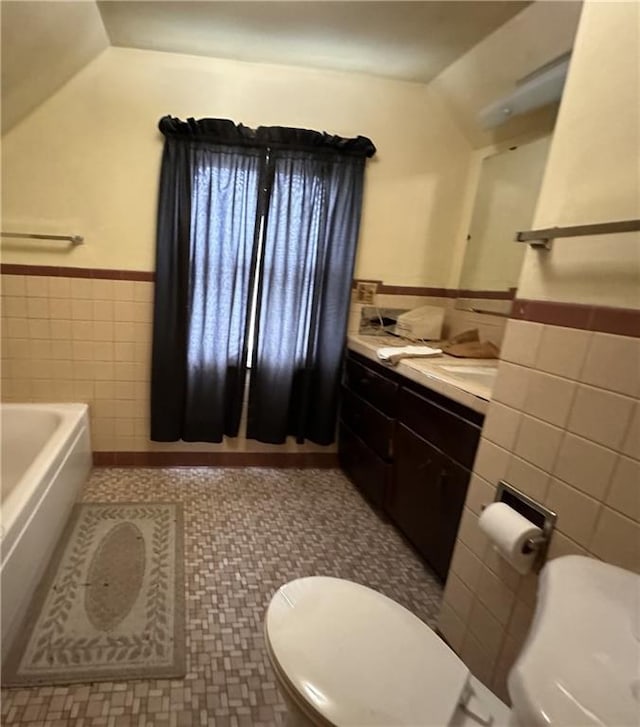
column 470, row 534
column 458, row 596
column 528, row 588
column 60, row 287
column 502, row 569
column 81, row 289
column 617, row 540
column 479, row 494
column 521, row 341
column 585, row 465
column 484, row 626
column 520, row 620
column 480, row 662
column 562, row 545
column 601, row 416
column 495, row 595
column 501, row 425
column 37, row 286
column 529, row 479
column 624, row 494
column 549, row 397
column 486, row 629
column 491, row 461
column 14, row 285
column 511, row 385
column 631, row 444
column 466, row 565
column 577, row 513
column 538, row 442
column 562, row 351
column 614, row 363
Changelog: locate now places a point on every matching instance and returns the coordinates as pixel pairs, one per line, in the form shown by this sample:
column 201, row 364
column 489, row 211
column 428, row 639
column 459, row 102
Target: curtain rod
column 73, row 239
column 541, row 238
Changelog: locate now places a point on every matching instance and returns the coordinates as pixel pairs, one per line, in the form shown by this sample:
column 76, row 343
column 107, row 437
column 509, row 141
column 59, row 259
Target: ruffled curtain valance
column 225, row 131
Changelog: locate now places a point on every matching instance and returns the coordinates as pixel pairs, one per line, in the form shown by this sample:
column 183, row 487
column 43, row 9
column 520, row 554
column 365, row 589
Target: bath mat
column 111, row 605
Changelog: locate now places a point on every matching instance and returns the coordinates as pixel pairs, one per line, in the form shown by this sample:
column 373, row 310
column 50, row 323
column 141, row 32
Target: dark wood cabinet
column 447, row 431
column 427, row 498
column 410, row 451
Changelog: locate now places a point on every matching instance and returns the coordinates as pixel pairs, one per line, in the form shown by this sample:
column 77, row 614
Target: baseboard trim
column 278, row 460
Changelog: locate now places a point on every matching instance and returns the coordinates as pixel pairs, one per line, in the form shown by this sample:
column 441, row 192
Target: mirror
column 505, row 201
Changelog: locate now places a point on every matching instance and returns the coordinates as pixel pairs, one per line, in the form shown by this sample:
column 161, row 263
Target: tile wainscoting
column 564, row 427
column 85, row 335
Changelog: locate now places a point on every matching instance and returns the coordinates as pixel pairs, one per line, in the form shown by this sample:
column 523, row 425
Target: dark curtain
column 207, row 225
column 303, row 300
column 220, row 184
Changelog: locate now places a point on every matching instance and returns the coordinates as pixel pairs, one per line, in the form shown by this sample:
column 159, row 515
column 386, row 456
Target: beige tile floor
column 247, row 531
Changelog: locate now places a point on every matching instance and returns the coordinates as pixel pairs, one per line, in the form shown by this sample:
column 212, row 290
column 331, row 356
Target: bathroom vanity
column 407, row 439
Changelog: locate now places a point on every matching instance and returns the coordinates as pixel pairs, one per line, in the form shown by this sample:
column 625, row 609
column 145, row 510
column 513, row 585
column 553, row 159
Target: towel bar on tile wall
column 73, row 239
column 541, row 238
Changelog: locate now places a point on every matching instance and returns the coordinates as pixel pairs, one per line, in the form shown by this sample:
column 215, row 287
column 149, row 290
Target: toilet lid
column 358, row 658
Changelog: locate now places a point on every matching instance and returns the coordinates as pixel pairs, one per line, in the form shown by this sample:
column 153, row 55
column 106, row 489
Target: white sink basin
column 581, row 662
column 477, row 373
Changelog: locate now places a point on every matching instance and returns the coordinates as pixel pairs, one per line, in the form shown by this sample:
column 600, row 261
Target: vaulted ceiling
column 45, row 43
column 412, row 41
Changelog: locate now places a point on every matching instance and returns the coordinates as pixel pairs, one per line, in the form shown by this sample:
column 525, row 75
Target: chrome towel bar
column 73, row 239
column 541, row 238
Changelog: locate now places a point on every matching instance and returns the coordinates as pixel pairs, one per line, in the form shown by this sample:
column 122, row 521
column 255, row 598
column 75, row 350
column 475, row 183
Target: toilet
column 344, row 654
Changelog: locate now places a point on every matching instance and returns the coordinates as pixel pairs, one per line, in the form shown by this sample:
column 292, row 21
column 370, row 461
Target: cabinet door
column 365, row 469
column 427, row 498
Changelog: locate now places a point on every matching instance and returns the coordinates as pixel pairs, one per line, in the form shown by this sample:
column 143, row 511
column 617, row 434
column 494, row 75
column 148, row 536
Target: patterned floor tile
column 247, row 531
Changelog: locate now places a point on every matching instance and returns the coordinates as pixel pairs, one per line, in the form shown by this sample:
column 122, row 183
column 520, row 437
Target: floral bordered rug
column 111, row 605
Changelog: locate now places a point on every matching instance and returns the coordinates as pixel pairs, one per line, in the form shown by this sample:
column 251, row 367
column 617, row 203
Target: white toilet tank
column 581, row 662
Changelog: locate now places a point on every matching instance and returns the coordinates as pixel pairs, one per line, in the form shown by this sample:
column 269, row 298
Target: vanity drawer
column 375, row 388
column 371, row 425
column 450, row 433
column 365, row 469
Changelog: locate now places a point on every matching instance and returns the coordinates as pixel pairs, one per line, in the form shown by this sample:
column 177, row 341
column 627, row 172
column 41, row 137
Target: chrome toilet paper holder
column 538, row 514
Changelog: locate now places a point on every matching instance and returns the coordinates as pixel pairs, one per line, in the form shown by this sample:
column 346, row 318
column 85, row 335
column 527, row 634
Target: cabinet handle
column 443, row 477
column 424, row 465
column 364, row 381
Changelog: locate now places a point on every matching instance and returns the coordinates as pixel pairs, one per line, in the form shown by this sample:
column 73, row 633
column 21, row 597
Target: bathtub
column 45, row 459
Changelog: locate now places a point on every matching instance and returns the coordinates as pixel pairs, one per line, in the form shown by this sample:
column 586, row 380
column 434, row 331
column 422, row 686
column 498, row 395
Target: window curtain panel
column 207, row 227
column 220, row 185
column 311, row 232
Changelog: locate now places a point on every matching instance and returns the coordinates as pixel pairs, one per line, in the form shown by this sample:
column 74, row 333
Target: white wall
column 593, row 174
column 87, row 160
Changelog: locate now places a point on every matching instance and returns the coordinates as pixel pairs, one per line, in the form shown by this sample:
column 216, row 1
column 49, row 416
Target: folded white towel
column 392, row 355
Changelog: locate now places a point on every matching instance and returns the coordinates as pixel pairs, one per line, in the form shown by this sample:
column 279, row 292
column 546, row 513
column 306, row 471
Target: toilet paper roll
column 509, row 532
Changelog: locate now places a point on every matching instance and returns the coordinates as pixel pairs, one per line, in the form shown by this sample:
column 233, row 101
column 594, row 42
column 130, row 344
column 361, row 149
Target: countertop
column 466, row 389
